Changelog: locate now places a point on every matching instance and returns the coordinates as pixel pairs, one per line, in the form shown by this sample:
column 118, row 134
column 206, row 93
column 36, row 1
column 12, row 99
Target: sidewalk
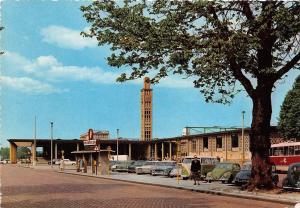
column 290, row 198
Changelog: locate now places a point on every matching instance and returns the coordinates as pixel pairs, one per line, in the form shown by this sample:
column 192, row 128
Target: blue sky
column 50, row 71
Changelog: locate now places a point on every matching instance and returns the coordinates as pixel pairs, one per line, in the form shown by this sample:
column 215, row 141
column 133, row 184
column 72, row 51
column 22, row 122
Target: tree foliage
column 4, row 152
column 289, row 118
column 215, row 43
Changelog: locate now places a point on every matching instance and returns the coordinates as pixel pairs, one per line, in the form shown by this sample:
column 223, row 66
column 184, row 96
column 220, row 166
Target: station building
column 229, row 145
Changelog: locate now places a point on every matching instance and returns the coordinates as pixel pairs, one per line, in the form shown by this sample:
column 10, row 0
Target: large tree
column 214, row 43
column 289, row 117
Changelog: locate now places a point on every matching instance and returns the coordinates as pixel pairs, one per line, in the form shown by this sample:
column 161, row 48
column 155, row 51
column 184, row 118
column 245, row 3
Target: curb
column 219, row 193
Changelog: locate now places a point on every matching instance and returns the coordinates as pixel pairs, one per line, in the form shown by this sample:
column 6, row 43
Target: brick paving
column 31, row 188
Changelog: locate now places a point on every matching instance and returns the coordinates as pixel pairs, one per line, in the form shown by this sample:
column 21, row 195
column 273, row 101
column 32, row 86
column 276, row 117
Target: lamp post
column 117, row 144
column 51, row 124
column 243, row 139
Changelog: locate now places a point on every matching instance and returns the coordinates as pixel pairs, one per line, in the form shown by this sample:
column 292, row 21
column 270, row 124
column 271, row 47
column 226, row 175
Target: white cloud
column 50, row 69
column 66, row 37
column 172, row 82
column 28, row 85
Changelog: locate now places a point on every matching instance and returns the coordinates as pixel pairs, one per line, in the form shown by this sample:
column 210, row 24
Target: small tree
column 215, row 43
column 289, row 118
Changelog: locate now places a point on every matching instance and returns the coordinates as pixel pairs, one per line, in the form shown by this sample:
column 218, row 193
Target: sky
column 51, row 72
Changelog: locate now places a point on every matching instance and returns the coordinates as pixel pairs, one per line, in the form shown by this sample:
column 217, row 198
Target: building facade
column 228, row 145
column 146, row 111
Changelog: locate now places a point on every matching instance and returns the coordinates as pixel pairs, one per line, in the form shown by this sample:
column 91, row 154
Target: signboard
column 89, row 143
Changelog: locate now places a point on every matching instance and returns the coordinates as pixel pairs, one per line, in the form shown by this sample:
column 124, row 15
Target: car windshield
column 187, row 160
column 209, row 161
column 224, row 165
column 165, row 164
column 296, row 168
column 246, row 167
column 170, row 163
column 139, row 162
column 149, row 163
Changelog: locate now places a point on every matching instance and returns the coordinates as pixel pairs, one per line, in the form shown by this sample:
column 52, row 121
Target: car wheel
column 230, row 179
column 209, row 181
column 285, row 183
column 275, row 180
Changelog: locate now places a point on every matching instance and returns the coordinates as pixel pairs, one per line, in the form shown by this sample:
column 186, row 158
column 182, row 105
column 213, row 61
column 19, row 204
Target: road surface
column 31, row 188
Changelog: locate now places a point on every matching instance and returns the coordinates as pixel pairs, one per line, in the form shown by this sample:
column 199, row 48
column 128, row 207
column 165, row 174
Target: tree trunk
column 261, row 174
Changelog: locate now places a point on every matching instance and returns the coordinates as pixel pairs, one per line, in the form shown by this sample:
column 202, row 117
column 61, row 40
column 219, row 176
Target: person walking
column 195, row 170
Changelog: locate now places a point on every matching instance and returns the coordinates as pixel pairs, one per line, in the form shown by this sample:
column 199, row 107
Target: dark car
column 244, row 175
column 224, row 172
column 138, row 163
column 292, row 180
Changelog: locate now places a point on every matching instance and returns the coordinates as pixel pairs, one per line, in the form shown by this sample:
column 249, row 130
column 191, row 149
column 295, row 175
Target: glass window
column 219, row 142
column 205, row 142
column 291, row 150
column 234, row 141
column 297, row 150
column 194, row 145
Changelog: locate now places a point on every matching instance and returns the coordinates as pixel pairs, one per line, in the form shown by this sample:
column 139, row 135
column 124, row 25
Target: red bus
column 283, row 154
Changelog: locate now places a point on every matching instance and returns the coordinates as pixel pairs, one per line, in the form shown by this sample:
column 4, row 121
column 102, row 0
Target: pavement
column 216, row 188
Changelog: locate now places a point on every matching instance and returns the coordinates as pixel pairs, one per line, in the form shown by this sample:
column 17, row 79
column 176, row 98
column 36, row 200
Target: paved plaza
column 27, row 187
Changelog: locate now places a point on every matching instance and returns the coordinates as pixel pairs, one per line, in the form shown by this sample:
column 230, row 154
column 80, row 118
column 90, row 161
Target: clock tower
column 146, row 111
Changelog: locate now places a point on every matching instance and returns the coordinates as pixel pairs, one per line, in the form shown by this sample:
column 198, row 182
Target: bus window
column 285, row 151
column 297, row 150
column 291, row 150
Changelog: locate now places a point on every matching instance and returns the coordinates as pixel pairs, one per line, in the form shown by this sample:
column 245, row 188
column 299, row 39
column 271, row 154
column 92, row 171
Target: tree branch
column 287, row 67
column 235, row 68
column 247, row 10
column 237, row 73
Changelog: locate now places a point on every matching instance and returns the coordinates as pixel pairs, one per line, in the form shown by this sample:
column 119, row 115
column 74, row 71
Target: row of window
column 285, row 151
column 219, row 142
column 147, row 134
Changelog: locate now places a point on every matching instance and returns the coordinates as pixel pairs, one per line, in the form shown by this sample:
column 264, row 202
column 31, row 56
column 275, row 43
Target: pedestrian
column 195, row 170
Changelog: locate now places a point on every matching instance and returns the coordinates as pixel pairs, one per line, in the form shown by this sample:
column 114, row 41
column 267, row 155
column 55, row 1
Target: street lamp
column 51, row 124
column 117, row 144
column 243, row 139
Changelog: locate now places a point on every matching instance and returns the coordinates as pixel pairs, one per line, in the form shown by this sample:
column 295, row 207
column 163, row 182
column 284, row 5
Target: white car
column 66, row 162
column 146, row 168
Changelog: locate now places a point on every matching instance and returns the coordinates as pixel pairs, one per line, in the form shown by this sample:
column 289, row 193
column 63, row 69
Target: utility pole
column 243, row 139
column 34, row 144
column 51, row 124
column 117, row 144
column 1, row 151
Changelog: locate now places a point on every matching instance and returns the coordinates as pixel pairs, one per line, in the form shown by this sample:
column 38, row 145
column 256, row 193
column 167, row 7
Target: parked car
column 54, row 162
column 66, row 162
column 137, row 163
column 292, row 180
column 162, row 168
column 146, row 168
column 122, row 166
column 244, row 175
column 224, row 172
column 177, row 170
column 113, row 164
column 207, row 165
